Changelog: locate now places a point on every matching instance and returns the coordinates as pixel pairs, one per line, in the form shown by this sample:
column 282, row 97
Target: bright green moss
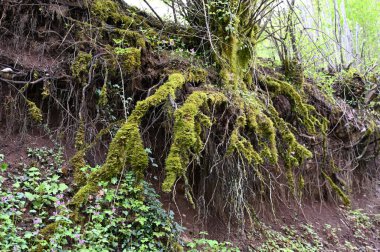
column 78, row 162
column 80, row 67
column 127, row 146
column 130, row 38
column 345, row 199
column 80, row 136
column 243, row 147
column 255, row 119
column 265, row 132
column 196, row 74
column 108, row 11
column 304, row 111
column 34, row 112
column 294, row 153
column 175, row 81
column 187, row 129
column 129, row 57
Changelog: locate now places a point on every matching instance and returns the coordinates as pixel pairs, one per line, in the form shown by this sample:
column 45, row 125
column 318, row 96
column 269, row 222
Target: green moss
column 46, row 90
column 345, row 199
column 294, row 73
column 243, row 147
column 255, row 120
column 82, row 195
column 80, row 136
column 262, row 125
column 294, row 153
column 80, row 67
column 78, row 160
column 46, row 233
column 233, row 66
column 175, row 81
column 127, row 146
column 237, row 38
column 196, row 74
column 34, row 112
column 49, row 230
column 103, row 98
column 130, row 38
column 109, row 12
column 130, row 58
column 188, row 122
column 304, row 111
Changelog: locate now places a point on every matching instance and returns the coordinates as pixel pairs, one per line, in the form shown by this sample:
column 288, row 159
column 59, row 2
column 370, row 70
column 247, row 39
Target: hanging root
column 187, row 129
column 305, row 112
column 257, row 134
column 34, row 112
column 345, row 199
column 127, row 147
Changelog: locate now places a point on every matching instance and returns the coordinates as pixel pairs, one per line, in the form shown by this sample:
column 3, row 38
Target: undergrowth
column 124, row 215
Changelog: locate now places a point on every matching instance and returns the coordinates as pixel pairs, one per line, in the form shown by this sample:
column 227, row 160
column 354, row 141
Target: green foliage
column 124, row 214
column 365, row 14
column 304, row 238
column 360, row 219
column 207, row 245
column 30, row 199
column 324, row 81
column 3, row 165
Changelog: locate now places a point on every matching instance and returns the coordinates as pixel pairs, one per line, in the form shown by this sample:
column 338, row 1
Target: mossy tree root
column 344, row 198
column 127, row 146
column 188, row 122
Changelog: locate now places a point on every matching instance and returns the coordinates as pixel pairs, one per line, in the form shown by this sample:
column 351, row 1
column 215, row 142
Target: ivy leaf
column 28, row 235
column 62, row 187
column 114, row 180
column 4, row 167
column 29, row 196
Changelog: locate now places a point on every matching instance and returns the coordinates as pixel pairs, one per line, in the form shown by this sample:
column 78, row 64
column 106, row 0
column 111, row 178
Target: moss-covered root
column 78, row 160
column 253, row 117
column 345, row 199
column 305, row 112
column 34, row 112
column 127, row 146
column 187, row 129
column 242, row 145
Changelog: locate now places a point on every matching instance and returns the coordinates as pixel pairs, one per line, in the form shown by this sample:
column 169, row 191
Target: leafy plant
column 125, row 214
column 3, row 165
column 208, row 245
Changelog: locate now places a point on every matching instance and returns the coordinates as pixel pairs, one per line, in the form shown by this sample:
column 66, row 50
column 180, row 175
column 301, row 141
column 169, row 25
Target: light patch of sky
column 162, row 9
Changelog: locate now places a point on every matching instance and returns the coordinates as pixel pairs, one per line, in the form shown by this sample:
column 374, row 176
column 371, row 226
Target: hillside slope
column 121, row 98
